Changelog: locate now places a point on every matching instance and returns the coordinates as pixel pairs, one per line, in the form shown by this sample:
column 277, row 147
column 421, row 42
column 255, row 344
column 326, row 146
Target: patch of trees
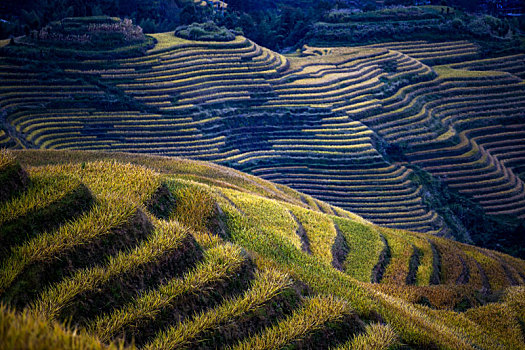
column 21, row 17
column 276, row 29
column 276, row 24
column 208, row 31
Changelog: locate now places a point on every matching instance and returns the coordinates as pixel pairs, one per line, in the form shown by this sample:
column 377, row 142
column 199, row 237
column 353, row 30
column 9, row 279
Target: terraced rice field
column 428, row 52
column 331, row 123
column 159, row 253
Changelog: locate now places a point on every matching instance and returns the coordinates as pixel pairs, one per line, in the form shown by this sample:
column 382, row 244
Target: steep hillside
column 162, row 253
column 357, row 127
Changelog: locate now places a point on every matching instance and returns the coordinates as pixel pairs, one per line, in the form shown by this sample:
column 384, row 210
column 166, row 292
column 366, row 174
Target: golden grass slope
column 246, row 262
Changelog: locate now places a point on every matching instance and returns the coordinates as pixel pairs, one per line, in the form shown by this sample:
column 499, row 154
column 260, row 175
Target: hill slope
column 175, row 253
column 351, row 126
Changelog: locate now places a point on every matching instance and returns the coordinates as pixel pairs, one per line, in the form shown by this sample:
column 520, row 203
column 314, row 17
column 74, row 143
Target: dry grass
column 315, row 313
column 27, row 331
column 194, row 204
column 377, row 337
column 44, row 190
column 167, row 237
column 6, row 159
column 267, row 285
column 219, row 264
column 119, row 189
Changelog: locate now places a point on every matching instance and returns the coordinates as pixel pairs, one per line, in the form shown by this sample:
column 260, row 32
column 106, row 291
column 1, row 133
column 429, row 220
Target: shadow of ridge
column 20, row 230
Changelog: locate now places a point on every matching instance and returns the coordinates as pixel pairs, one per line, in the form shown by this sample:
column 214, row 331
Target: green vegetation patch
column 387, row 14
column 268, row 214
column 365, row 246
column 320, row 231
column 208, row 31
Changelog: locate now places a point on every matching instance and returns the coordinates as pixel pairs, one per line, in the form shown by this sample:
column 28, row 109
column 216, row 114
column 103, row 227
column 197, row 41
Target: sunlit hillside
column 120, row 250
